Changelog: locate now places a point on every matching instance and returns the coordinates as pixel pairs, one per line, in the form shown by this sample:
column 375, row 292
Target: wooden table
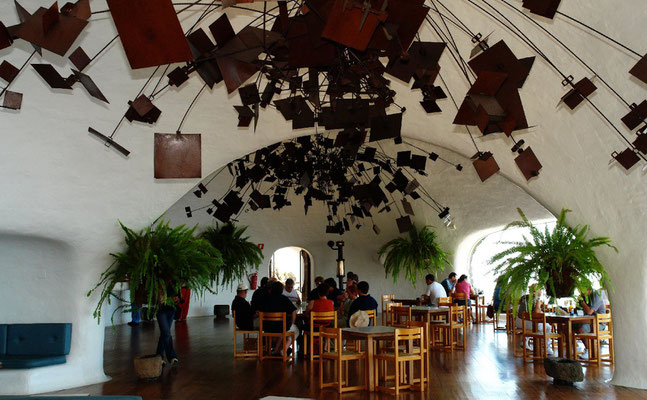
column 370, row 334
column 429, row 311
column 565, row 323
column 476, row 298
column 408, row 302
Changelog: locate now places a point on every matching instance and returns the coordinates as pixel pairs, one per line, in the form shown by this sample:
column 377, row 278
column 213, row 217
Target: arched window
column 480, row 270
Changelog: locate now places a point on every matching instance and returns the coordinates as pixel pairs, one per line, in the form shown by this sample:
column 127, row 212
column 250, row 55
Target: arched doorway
column 295, row 263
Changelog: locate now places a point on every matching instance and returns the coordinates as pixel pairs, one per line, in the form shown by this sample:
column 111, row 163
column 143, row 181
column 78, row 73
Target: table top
column 370, row 331
column 558, row 317
column 430, row 309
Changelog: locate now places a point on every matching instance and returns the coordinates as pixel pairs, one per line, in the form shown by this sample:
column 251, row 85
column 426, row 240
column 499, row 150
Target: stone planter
column 563, row 371
column 148, row 367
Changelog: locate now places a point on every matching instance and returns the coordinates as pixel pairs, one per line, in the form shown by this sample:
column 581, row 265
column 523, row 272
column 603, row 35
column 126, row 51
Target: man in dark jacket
column 244, row 313
column 363, row 302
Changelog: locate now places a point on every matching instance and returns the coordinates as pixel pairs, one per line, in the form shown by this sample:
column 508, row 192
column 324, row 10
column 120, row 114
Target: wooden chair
column 595, row 338
column 246, row 352
column 482, row 307
column 539, row 337
column 318, row 320
column 400, row 316
column 372, row 317
column 401, row 360
column 386, row 298
column 423, row 346
column 456, row 297
column 444, row 301
column 331, row 348
column 268, row 337
column 389, row 314
column 444, row 336
column 497, row 320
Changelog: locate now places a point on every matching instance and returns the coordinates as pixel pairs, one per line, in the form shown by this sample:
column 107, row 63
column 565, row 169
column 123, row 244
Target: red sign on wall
column 261, row 246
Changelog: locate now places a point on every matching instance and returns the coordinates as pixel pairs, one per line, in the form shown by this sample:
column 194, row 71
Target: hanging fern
column 416, row 255
column 157, row 258
column 238, row 253
column 559, row 260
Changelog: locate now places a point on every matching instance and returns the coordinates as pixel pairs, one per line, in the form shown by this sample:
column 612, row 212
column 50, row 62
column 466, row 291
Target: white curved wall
column 59, row 183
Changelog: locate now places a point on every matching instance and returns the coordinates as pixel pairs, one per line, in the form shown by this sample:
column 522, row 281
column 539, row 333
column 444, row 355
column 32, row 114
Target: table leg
column 370, row 379
column 571, row 343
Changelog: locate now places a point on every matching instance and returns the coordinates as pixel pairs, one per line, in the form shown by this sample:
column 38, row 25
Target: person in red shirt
column 321, row 304
column 463, row 286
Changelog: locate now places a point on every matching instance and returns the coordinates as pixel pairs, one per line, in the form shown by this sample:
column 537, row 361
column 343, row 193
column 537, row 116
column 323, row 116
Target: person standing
column 165, row 321
column 448, row 283
column 434, row 291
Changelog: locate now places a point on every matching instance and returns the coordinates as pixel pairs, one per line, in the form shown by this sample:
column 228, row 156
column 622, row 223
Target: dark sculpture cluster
column 353, row 180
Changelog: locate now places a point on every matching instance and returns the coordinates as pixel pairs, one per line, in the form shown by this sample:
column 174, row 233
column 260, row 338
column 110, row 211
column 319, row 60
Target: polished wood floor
column 207, row 370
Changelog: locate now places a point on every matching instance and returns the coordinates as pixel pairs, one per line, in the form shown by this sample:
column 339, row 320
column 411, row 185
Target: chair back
column 389, row 312
column 386, row 298
column 425, row 331
column 459, row 296
column 265, row 317
column 330, row 338
column 605, row 325
column 400, row 316
column 535, row 319
column 372, row 317
column 456, row 316
column 444, row 301
column 320, row 319
column 407, row 336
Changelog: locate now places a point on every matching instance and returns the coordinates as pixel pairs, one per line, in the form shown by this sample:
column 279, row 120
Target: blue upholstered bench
column 25, row 346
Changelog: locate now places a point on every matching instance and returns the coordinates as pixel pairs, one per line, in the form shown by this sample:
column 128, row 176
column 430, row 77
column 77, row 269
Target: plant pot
column 564, row 284
column 221, row 310
column 148, row 367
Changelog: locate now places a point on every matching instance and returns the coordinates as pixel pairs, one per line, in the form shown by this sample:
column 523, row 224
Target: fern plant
column 155, row 259
column 415, row 255
column 238, row 253
column 560, row 260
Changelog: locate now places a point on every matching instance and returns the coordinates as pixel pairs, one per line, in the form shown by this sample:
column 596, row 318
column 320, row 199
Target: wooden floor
column 486, row 370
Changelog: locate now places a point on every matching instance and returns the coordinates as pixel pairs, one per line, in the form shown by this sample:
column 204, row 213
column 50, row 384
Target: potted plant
column 413, row 255
column 156, row 258
column 560, row 260
column 238, row 253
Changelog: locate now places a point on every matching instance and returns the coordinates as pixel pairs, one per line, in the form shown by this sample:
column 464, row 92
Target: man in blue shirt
column 449, row 283
column 364, row 301
column 595, row 305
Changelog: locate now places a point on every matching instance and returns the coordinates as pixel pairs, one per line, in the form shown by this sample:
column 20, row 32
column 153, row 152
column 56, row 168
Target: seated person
column 244, row 314
column 259, row 298
column 290, row 293
column 449, row 283
column 276, row 302
column 314, row 294
column 434, row 291
column 535, row 307
column 344, row 309
column 364, row 301
column 595, row 305
column 351, row 279
column 334, row 294
column 322, row 304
